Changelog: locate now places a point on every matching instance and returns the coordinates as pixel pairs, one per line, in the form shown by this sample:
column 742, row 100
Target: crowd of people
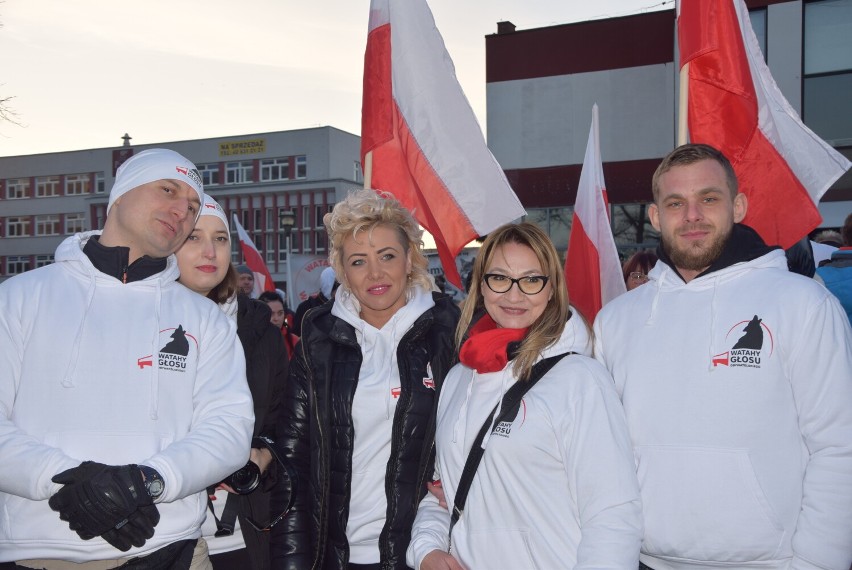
column 154, row 415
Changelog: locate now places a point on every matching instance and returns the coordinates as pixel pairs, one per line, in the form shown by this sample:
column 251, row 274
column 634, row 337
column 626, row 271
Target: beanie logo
column 190, row 173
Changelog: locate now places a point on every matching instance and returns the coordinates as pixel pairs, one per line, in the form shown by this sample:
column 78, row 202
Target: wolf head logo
column 178, row 344
column 753, row 337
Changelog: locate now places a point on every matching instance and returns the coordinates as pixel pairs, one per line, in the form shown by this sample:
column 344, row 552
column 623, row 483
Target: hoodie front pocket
column 705, row 504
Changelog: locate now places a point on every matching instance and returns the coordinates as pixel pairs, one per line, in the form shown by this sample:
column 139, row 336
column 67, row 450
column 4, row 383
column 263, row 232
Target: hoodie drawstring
column 71, row 371
column 154, row 404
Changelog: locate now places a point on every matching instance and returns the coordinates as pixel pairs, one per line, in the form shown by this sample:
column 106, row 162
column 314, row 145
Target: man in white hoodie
column 122, row 393
column 736, row 379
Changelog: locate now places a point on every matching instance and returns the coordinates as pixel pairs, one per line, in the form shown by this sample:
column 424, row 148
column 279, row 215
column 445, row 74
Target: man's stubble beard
column 695, row 259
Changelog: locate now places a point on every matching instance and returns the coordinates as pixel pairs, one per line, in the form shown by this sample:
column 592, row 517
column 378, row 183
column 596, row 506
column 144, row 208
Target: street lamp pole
column 287, row 219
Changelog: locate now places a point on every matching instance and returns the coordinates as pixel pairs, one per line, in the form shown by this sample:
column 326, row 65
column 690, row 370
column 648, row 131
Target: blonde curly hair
column 363, row 210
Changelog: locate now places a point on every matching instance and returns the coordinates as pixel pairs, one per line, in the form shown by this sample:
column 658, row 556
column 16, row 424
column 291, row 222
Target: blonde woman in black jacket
column 358, row 416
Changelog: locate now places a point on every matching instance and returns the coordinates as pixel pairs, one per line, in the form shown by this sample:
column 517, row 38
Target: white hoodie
column 373, row 407
column 556, row 488
column 737, row 388
column 92, row 369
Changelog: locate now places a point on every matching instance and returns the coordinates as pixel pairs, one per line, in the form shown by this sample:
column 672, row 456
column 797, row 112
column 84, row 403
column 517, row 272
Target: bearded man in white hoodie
column 122, row 393
column 736, row 379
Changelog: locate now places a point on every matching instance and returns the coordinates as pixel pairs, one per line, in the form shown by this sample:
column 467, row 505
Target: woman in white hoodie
column 358, row 415
column 556, row 484
column 235, row 529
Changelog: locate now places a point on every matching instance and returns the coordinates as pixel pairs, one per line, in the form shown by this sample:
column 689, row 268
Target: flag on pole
column 592, row 268
column 735, row 106
column 420, row 140
column 262, row 279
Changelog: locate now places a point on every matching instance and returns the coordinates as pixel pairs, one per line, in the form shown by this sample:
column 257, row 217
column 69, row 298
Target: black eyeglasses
column 529, row 285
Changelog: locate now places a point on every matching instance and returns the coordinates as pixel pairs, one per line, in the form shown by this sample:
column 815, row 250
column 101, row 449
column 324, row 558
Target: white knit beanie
column 211, row 207
column 151, row 165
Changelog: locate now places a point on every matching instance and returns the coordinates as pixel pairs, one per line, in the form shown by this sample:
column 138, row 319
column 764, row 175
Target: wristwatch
column 154, row 483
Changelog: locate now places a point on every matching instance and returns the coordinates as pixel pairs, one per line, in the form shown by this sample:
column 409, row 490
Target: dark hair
column 642, row 260
column 226, row 289
column 271, row 296
column 690, row 154
column 846, row 232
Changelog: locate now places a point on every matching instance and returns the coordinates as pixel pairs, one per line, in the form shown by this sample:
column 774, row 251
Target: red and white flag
column 592, row 267
column 735, row 106
column 262, row 279
column 420, row 140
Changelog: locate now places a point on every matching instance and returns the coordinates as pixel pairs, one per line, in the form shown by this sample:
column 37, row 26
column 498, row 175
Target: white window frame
column 18, row 226
column 17, row 188
column 77, row 184
column 238, row 172
column 46, row 186
column 209, row 174
column 301, row 167
column 16, row 264
column 47, row 225
column 42, row 260
column 75, row 223
column 100, row 185
column 273, row 169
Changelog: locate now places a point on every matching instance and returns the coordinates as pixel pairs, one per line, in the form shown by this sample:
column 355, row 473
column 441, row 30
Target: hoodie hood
column 70, row 254
column 379, row 345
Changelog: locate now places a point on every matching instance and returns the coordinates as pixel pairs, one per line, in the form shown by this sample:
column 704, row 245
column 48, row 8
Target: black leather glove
column 106, row 500
column 138, row 528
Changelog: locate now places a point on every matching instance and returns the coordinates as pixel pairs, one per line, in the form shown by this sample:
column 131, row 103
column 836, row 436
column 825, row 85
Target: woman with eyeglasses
column 637, row 267
column 238, row 513
column 554, row 485
column 358, row 415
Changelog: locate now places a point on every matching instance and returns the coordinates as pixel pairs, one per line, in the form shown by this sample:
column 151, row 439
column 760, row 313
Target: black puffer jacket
column 316, row 433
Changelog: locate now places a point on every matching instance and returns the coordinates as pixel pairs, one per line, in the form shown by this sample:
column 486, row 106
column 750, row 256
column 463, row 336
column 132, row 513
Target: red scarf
column 486, row 349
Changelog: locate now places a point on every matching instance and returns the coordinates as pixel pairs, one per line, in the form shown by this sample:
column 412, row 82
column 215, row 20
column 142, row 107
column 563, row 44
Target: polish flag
column 735, row 106
column 420, row 140
column 592, row 267
column 254, row 261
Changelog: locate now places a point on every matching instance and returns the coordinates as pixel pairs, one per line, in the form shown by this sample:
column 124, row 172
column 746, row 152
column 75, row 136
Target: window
column 828, row 70
column 209, row 174
column 18, row 226
column 359, row 174
column 17, row 188
column 47, row 186
column 320, row 212
column 301, row 167
column 17, row 264
column 99, row 183
column 47, row 225
column 76, row 184
column 75, row 223
column 274, row 169
column 42, row 260
column 238, row 172
column 758, row 24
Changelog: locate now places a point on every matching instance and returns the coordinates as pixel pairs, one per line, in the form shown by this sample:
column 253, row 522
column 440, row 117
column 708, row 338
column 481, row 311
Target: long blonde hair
column 547, row 329
column 365, row 209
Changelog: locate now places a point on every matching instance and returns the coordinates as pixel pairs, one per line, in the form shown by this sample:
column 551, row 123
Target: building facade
column 542, row 84
column 46, row 197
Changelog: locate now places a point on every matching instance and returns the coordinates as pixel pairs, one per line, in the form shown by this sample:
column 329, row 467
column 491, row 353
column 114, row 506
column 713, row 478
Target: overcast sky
column 84, row 72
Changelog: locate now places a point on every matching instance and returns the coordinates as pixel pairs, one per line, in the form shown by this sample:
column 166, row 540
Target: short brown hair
column 690, row 154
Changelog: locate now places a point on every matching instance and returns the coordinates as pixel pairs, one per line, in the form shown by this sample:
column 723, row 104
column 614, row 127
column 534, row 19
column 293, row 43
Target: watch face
column 155, row 488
